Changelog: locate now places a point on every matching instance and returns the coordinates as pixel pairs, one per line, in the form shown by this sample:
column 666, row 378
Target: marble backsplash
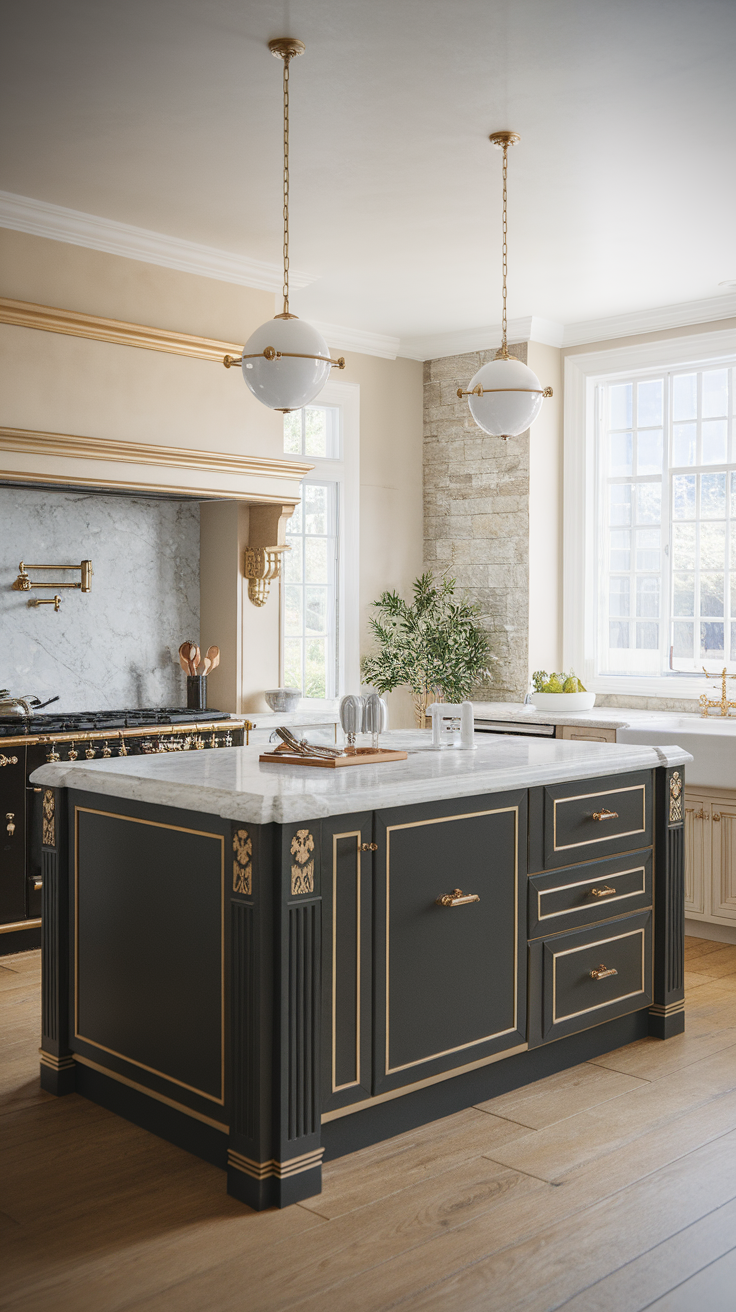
column 116, row 646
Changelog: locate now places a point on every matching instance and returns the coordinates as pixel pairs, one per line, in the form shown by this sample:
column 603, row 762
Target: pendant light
column 285, row 362
column 504, row 396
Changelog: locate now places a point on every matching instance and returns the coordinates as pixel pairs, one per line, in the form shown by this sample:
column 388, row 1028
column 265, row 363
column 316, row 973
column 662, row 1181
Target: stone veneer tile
column 476, row 490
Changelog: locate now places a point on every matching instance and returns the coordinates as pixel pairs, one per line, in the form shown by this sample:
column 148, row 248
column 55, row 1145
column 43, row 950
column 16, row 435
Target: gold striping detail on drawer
column 571, row 911
column 585, row 947
column 604, row 838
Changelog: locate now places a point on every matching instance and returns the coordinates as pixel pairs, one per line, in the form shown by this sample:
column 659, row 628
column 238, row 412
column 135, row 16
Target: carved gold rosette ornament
column 675, row 796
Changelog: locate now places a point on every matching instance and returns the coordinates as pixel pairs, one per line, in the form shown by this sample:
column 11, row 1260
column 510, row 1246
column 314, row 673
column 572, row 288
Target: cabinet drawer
column 584, row 978
column 581, row 895
column 589, row 819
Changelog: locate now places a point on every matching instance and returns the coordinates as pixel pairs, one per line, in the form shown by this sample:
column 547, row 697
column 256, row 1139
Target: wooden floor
column 608, row 1188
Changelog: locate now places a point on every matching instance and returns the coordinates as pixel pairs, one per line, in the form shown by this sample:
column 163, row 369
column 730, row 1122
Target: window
column 655, row 480
column 310, row 593
column 319, row 586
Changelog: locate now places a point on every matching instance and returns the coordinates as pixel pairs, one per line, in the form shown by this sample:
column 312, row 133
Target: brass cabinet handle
column 37, row 885
column 605, row 814
column 9, row 816
column 605, row 891
column 456, row 898
column 716, row 815
column 8, row 760
column 369, row 847
column 602, row 972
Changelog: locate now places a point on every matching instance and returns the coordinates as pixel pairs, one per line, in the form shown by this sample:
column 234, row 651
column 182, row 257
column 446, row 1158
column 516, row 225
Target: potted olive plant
column 434, row 644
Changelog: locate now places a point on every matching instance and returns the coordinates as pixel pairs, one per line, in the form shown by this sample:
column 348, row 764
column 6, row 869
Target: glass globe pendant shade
column 292, row 378
column 511, row 398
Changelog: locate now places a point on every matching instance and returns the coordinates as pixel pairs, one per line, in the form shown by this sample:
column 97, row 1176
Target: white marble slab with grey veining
column 231, row 782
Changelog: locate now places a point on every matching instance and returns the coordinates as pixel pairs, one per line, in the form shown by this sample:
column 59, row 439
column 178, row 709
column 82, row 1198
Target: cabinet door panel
column 697, row 855
column 347, row 899
column 723, row 847
column 450, row 980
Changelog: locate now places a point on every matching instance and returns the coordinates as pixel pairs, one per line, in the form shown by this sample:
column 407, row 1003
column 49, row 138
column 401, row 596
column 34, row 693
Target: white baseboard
column 706, row 929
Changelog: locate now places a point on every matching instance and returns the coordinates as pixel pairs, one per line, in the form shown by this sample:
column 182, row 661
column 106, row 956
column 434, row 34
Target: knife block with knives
column 196, row 671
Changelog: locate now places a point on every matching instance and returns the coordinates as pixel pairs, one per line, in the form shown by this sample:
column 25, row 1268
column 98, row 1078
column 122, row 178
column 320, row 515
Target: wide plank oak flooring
column 607, row 1188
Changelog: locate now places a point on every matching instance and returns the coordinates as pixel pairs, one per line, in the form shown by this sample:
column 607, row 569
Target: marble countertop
column 231, row 782
column 600, row 717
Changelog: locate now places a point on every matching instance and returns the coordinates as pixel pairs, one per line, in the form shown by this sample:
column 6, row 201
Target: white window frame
column 583, row 374
column 345, row 472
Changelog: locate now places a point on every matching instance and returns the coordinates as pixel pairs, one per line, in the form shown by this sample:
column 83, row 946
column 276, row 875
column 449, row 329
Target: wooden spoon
column 184, row 656
column 213, row 656
column 195, row 657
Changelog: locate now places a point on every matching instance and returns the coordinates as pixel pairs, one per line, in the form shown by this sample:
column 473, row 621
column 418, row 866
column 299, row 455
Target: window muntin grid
column 310, row 614
column 313, row 431
column 667, row 501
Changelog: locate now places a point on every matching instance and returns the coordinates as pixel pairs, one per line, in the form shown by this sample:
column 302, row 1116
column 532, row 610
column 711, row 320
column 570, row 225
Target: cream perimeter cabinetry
column 710, row 855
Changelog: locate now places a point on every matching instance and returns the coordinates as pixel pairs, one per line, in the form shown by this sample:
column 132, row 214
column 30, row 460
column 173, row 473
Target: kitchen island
column 267, row 963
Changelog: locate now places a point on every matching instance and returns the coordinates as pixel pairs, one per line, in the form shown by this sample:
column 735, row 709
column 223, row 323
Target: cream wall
column 56, row 383
column 545, row 515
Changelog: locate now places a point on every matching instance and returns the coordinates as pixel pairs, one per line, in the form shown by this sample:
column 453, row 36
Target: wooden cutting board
column 361, row 756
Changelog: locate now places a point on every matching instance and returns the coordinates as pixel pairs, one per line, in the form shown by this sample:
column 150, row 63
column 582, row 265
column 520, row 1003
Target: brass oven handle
column 8, row 760
column 605, row 891
column 9, row 816
column 601, row 972
column 605, row 814
column 456, row 898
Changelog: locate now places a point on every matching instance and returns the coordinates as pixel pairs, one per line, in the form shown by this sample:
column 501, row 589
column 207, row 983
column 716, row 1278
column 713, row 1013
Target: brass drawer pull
column 37, row 885
column 8, row 760
column 456, row 898
column 605, row 814
column 716, row 815
column 602, row 973
column 369, row 847
column 606, row 891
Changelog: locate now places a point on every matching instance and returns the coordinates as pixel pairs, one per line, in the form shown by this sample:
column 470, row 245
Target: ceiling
column 166, row 114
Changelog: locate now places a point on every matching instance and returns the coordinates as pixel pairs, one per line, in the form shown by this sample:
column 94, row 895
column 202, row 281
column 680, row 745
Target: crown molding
column 465, row 342
column 42, row 219
column 655, row 320
column 72, row 323
column 353, row 339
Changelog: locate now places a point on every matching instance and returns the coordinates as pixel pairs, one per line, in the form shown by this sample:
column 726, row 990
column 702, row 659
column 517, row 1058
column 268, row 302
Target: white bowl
column 283, row 699
column 562, row 702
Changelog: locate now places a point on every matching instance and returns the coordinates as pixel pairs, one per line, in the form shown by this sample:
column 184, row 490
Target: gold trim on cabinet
column 155, row 824
column 150, row 1093
column 281, row 1170
column 30, row 441
column 12, row 925
column 584, row 947
column 444, row 819
column 571, row 911
column 605, row 838
column 73, row 323
column 356, row 834
column 423, row 1084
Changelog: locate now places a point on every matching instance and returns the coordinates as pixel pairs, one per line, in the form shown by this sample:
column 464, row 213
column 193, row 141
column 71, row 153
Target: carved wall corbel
column 266, row 546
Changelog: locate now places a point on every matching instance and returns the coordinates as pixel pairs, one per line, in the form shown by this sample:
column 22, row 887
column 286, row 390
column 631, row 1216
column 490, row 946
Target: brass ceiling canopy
column 286, row 47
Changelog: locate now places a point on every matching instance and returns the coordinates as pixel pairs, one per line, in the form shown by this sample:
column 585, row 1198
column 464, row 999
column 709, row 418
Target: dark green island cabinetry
column 266, row 992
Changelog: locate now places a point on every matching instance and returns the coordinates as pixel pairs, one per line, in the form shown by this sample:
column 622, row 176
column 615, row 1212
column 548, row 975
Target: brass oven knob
column 106, row 750
column 73, row 753
column 9, row 816
column 213, row 740
column 91, row 752
column 122, row 749
column 228, row 739
column 199, row 744
column 53, row 755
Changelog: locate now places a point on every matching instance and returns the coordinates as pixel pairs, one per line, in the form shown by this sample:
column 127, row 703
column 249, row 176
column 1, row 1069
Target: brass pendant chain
column 504, row 254
column 285, row 288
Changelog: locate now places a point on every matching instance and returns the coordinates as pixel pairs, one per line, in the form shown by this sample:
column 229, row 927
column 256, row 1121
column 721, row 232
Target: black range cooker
column 30, row 741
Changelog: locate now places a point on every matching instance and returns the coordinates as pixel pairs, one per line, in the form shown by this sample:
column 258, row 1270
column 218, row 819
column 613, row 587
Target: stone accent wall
column 476, row 516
